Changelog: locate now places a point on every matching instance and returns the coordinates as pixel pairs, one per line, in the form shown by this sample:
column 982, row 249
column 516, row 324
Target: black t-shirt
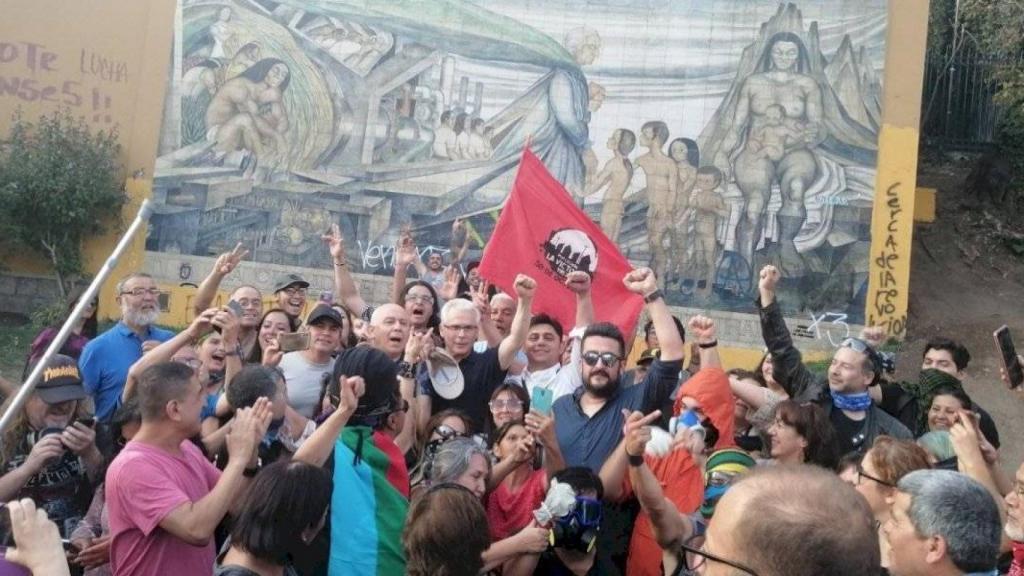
column 482, row 373
column 551, row 565
column 849, row 433
column 62, row 489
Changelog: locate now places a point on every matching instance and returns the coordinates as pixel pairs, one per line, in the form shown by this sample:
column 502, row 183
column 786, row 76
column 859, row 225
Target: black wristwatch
column 653, row 296
column 406, row 369
column 635, row 461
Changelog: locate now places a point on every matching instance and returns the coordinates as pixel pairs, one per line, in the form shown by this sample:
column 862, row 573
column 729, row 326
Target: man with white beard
column 105, row 361
column 1014, row 528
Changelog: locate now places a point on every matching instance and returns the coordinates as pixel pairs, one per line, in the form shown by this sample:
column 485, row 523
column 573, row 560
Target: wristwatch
column 250, row 472
column 236, row 352
column 406, row 369
column 635, row 461
column 653, row 296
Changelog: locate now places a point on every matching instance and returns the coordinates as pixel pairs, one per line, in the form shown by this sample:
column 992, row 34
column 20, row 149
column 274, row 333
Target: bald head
column 503, row 310
column 807, row 522
column 389, row 329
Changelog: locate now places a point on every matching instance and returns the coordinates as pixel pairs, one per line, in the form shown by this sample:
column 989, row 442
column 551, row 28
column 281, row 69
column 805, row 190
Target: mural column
column 892, row 221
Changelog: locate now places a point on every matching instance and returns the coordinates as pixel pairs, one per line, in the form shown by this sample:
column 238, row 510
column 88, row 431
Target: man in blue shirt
column 105, row 361
column 589, row 422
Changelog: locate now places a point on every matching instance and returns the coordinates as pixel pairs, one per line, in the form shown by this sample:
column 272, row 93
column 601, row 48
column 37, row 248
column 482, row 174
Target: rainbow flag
column 368, row 506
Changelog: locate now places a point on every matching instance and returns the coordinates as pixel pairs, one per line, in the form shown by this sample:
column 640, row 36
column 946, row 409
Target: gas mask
column 578, row 529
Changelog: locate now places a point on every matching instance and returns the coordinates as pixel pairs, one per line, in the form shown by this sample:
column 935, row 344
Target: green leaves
column 60, row 182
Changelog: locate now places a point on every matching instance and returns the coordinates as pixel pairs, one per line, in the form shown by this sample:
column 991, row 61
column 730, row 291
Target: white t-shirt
column 302, row 379
column 561, row 379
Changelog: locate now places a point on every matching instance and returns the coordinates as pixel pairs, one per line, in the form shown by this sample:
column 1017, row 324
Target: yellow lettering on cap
column 53, row 373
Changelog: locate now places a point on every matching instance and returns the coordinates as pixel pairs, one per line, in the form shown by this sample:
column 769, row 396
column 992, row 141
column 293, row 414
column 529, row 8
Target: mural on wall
column 707, row 137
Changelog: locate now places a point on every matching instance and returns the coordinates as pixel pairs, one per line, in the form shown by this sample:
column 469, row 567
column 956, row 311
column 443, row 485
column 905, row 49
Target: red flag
column 543, row 234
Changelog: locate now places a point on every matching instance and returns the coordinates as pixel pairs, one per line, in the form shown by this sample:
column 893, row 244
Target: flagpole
column 83, row 302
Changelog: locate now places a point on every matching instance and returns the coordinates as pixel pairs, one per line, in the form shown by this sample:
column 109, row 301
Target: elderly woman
column 466, row 462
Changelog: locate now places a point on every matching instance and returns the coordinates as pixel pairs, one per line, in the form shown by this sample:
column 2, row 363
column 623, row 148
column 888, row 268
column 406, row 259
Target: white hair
column 581, row 36
column 501, row 296
column 459, row 305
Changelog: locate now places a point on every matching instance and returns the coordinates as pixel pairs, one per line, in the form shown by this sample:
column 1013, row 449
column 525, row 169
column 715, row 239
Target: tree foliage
column 60, row 182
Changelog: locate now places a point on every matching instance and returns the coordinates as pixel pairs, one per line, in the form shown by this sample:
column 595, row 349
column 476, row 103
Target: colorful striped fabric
column 368, row 506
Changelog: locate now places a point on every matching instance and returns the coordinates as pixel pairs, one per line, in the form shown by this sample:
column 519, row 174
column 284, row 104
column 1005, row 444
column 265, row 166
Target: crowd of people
column 456, row 430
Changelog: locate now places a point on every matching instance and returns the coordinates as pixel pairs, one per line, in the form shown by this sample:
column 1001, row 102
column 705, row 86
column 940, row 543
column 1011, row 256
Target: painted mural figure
column 662, row 190
column 614, row 178
column 556, row 114
column 445, row 138
column 700, row 224
column 781, row 82
column 248, row 112
column 220, row 31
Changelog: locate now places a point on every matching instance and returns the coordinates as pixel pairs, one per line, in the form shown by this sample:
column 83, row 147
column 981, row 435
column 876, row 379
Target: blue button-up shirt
column 589, row 440
column 105, row 362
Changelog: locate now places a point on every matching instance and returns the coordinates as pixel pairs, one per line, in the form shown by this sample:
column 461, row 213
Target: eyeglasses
column 424, row 298
column 862, row 474
column 694, row 557
column 503, row 404
column 246, row 302
column 295, row 291
column 141, row 292
column 610, row 360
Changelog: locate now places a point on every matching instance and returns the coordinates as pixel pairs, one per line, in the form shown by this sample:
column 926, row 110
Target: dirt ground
column 965, row 282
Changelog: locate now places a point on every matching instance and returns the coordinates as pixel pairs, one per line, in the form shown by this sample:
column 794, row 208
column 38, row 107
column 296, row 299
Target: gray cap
column 285, row 280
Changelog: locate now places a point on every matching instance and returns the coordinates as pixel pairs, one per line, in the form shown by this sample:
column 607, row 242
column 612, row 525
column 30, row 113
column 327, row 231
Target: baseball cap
column 321, row 311
column 648, row 356
column 61, row 381
column 285, row 280
column 445, row 374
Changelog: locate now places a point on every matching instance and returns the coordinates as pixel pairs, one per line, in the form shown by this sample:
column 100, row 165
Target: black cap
column 648, row 356
column 322, row 311
column 285, row 280
column 61, row 381
column 379, row 373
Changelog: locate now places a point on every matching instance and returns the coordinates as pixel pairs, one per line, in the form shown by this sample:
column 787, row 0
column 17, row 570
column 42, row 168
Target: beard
column 607, row 390
column 1013, row 531
column 140, row 317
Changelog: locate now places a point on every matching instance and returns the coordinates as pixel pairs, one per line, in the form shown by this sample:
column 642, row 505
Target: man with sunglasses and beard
column 588, row 422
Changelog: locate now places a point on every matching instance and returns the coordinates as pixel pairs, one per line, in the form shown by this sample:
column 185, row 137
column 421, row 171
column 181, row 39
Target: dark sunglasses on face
column 607, row 358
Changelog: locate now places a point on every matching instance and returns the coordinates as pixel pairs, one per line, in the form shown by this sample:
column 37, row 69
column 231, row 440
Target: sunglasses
column 858, row 345
column 607, row 358
column 503, row 404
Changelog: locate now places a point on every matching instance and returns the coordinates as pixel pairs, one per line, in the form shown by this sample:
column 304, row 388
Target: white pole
column 29, row 385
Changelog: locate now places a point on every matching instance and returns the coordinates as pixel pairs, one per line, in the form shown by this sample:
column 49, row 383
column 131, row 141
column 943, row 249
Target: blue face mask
column 578, row 529
column 273, row 430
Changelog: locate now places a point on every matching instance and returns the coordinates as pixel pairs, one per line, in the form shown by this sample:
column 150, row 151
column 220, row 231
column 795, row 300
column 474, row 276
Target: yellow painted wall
column 107, row 63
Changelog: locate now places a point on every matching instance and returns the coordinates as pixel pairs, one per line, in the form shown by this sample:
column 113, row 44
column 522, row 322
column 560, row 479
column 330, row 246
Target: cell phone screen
column 540, row 400
column 1014, row 371
column 236, row 308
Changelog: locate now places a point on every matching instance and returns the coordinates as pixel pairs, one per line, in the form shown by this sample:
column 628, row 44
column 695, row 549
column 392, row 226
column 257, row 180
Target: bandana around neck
column 853, row 402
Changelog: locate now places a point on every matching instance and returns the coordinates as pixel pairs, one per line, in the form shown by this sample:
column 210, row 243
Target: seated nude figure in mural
column 614, row 178
column 662, row 190
column 248, row 112
column 781, row 83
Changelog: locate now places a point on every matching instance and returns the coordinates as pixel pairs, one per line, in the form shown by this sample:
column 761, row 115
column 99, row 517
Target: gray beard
column 1013, row 532
column 140, row 318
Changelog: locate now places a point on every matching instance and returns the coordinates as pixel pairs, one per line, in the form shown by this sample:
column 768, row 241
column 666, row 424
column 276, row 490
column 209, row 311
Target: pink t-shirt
column 144, row 484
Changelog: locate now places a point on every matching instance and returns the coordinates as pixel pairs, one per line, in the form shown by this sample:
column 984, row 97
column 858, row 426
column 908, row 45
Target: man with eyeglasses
column 844, row 393
column 942, row 524
column 795, row 520
column 290, row 294
column 482, row 371
column 106, row 359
